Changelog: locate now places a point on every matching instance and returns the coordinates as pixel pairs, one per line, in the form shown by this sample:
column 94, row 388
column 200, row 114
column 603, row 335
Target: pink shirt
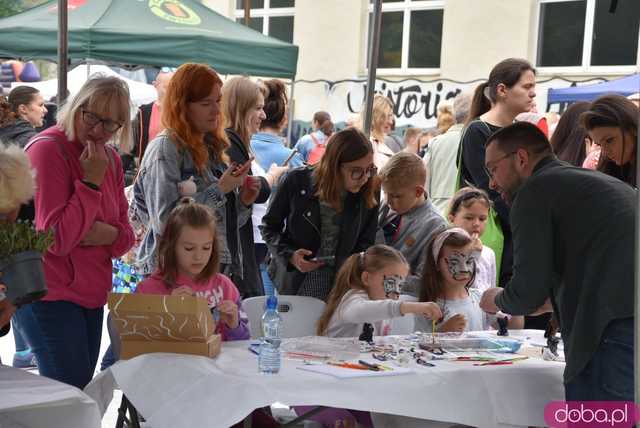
column 215, row 290
column 67, row 206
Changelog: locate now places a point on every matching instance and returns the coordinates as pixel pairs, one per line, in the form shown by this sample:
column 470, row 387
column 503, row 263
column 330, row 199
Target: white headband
column 439, row 241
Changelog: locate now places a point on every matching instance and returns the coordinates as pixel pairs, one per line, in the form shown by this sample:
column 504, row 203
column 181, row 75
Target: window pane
column 254, row 23
column 281, row 27
column 425, row 38
column 390, row 55
column 615, row 35
column 254, row 4
column 282, row 3
column 561, row 33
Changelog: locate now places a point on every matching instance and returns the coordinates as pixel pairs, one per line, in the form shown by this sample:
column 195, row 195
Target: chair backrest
column 299, row 314
column 405, row 324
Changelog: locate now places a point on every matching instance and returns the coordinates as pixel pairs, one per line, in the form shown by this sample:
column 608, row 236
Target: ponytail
column 480, row 104
column 349, row 276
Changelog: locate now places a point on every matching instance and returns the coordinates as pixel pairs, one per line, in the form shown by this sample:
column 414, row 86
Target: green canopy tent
column 147, row 32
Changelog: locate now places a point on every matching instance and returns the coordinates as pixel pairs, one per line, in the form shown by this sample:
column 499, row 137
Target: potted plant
column 21, row 271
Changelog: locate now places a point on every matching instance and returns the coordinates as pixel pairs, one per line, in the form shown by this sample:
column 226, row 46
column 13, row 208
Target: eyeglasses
column 490, row 170
column 92, row 119
column 357, row 173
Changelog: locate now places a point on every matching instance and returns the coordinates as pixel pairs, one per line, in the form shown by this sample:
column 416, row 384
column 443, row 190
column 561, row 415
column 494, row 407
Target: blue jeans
column 65, row 339
column 18, row 336
column 609, row 374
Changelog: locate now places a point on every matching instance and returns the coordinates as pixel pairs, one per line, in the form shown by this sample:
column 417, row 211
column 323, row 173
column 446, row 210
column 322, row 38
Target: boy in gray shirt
column 408, row 219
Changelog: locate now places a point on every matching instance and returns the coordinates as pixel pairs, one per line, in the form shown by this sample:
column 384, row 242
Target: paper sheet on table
column 346, row 373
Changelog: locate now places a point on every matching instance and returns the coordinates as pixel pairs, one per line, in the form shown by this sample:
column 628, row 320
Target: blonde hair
column 382, row 106
column 445, row 117
column 349, row 277
column 239, row 96
column 404, row 169
column 100, row 94
column 17, row 184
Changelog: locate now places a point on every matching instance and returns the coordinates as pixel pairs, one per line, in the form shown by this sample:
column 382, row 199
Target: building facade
column 433, row 49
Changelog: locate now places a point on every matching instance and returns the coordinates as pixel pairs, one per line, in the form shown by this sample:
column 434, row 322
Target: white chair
column 405, row 324
column 299, row 314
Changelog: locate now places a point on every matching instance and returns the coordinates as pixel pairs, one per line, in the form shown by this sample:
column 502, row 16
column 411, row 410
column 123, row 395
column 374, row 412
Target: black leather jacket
column 293, row 222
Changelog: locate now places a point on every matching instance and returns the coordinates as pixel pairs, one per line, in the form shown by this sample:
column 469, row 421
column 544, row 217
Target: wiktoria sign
column 415, row 101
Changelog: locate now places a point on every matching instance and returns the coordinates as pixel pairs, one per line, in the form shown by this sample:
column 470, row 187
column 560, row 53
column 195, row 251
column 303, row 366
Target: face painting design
column 461, row 265
column 391, row 285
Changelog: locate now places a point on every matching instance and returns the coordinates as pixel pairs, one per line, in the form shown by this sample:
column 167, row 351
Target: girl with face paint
column 366, row 291
column 449, row 272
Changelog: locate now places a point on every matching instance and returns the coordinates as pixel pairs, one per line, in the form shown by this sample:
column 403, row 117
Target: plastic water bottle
column 269, row 358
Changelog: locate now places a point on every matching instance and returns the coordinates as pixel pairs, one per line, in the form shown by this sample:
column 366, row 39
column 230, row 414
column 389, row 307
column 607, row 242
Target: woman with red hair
column 188, row 159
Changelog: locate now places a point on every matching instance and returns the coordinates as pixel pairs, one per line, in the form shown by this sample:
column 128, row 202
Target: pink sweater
column 75, row 273
column 215, row 290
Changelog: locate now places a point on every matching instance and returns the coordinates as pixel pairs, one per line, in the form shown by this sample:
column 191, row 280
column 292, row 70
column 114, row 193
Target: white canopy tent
column 141, row 93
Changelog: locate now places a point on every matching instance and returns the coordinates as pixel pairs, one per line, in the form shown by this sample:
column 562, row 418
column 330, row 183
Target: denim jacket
column 164, row 165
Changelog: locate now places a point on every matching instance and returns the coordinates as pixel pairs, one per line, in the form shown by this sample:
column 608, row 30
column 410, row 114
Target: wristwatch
column 91, row 185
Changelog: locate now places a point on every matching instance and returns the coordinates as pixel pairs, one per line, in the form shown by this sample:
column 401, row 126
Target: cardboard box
column 149, row 323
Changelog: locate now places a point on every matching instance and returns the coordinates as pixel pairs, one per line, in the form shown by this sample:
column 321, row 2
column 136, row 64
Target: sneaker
column 24, row 360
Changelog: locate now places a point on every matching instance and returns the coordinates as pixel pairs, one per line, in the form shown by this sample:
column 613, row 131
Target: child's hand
column 183, row 290
column 428, row 309
column 476, row 243
column 456, row 323
column 229, row 313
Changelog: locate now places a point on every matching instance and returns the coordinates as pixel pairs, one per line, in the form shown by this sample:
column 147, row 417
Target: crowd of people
column 479, row 219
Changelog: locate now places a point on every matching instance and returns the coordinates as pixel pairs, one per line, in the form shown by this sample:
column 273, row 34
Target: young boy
column 407, row 219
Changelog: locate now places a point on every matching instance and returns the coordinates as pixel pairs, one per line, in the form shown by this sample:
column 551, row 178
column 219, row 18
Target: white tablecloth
column 28, row 400
column 184, row 391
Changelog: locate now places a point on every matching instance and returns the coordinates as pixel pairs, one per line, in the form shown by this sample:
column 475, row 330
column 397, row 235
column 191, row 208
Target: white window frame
column 586, row 67
column 265, row 13
column 405, row 6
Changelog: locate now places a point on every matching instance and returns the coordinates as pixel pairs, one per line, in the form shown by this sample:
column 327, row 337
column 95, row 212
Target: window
column 271, row 17
column 410, row 35
column 583, row 34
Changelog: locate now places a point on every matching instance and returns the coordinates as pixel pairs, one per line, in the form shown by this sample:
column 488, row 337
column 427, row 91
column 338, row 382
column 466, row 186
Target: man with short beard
column 573, row 254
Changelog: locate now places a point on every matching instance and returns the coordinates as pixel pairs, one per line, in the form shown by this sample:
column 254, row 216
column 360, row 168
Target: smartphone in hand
column 288, row 159
column 323, row 259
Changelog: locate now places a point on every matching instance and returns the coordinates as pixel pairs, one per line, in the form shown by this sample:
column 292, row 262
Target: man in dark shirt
column 574, row 248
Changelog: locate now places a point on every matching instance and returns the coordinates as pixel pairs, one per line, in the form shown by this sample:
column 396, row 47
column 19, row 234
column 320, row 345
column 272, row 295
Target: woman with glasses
column 320, row 215
column 80, row 196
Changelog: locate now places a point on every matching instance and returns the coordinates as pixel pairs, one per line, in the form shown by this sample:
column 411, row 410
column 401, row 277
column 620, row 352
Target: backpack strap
column 314, row 139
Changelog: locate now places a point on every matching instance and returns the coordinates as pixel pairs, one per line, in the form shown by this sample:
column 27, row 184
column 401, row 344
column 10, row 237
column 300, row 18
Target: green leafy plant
column 22, row 236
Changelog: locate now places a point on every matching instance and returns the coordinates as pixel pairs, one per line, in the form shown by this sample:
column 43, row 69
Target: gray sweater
column 573, row 241
column 416, row 229
column 156, row 194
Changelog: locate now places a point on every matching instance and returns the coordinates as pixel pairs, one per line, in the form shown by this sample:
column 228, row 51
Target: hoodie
column 19, row 132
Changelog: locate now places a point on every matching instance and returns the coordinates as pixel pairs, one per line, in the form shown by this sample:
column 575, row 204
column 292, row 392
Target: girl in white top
column 366, row 291
column 449, row 272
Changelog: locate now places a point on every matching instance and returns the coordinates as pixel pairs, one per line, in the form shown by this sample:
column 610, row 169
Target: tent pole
column 636, row 263
column 292, row 105
column 247, row 12
column 63, row 54
column 374, row 48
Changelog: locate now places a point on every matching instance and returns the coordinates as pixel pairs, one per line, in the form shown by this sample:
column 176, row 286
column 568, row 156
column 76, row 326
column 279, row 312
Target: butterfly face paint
column 391, row 286
column 461, row 266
